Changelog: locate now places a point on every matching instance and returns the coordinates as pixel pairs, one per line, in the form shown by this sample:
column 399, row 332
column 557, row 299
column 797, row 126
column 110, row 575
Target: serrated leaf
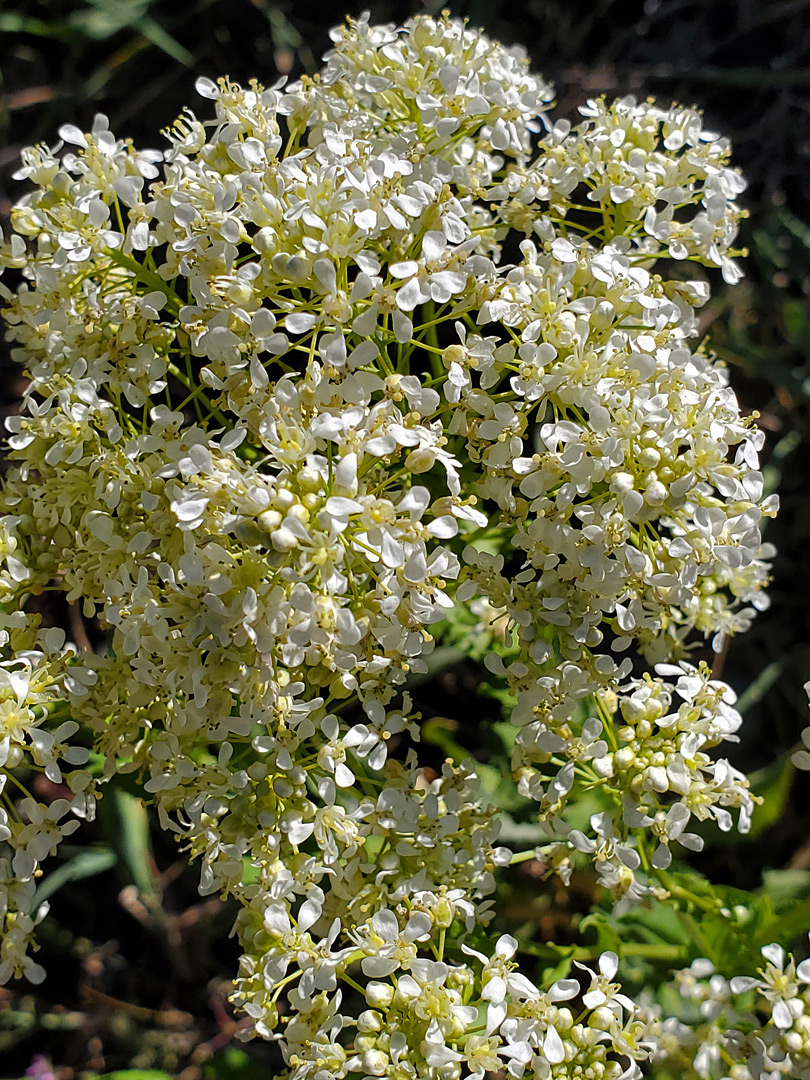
column 658, row 923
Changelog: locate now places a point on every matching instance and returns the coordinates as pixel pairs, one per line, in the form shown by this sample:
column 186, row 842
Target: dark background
column 146, row 983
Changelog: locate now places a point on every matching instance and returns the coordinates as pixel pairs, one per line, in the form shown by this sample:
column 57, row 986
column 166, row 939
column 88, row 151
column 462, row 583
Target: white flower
column 390, row 947
column 779, row 985
column 602, row 991
column 260, row 437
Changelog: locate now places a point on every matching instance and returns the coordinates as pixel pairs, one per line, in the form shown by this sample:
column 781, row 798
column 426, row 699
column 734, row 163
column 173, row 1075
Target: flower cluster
column 289, row 403
column 748, row 1028
column 34, row 736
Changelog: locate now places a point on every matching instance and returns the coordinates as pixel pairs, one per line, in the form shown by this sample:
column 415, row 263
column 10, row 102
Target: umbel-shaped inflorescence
column 347, row 356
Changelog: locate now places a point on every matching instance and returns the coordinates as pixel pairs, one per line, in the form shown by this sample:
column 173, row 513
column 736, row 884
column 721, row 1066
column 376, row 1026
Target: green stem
column 213, row 411
column 348, row 979
column 684, row 894
column 641, row 949
column 148, row 277
column 523, row 856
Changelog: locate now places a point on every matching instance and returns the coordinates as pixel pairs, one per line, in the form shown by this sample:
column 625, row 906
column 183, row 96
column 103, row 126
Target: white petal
column 563, row 990
column 71, row 134
column 495, row 990
column 553, row 1048
column 609, row 964
column 277, row 919
column 206, row 88
column 782, row 1016
column 386, row 924
column 774, row 953
column 403, row 269
column 377, row 967
column 308, row 913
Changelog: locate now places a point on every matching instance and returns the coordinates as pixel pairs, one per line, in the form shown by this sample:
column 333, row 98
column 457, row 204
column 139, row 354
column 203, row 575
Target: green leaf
column 772, row 785
column 787, row 927
column 766, row 244
column 126, row 824
column 101, row 19
column 104, row 18
column 657, row 924
column 85, row 864
column 608, row 937
column 498, row 787
column 134, row 1074
column 233, row 1064
column 786, row 885
column 13, row 22
column 522, row 833
column 507, row 733
column 756, row 690
column 794, row 314
column 795, row 226
column 163, row 40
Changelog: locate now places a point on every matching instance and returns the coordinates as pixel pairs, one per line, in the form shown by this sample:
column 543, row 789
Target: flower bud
column 655, row 779
column 379, row 995
column 420, row 460
column 621, row 483
column 453, row 354
column 603, row 315
column 375, row 1062
column 633, row 709
column 300, row 512
column 283, row 540
column 649, row 457
column 602, row 1018
column 369, row 1020
column 269, row 520
column 603, row 766
column 309, row 479
column 655, row 492
column 443, row 912
column 249, row 533
column 624, row 758
column 564, row 1018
